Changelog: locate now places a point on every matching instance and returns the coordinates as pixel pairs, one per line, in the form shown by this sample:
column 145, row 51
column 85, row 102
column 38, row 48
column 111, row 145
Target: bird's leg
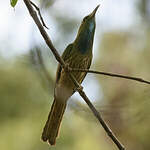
column 79, row 88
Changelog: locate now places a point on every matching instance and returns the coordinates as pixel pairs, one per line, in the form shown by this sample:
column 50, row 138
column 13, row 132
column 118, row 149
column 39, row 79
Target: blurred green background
column 120, row 47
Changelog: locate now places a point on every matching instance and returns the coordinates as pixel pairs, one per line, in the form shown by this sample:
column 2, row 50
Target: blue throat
column 85, row 42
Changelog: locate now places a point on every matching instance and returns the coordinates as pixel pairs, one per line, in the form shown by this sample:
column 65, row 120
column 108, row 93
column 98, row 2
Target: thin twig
column 110, row 74
column 78, row 86
column 39, row 12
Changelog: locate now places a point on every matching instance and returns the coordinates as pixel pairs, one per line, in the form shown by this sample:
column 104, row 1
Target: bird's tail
column 52, row 125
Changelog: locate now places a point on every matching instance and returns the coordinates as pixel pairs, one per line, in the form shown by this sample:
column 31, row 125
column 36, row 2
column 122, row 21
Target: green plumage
column 76, row 55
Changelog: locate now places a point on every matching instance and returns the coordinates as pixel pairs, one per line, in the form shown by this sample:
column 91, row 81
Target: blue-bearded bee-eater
column 77, row 55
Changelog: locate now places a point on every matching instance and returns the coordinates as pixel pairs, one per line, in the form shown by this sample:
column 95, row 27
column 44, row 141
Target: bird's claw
column 79, row 88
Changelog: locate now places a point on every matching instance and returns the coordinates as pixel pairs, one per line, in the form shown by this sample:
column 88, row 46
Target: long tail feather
column 50, row 131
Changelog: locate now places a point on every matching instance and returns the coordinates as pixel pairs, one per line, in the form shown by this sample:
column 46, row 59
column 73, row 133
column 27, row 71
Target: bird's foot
column 79, row 88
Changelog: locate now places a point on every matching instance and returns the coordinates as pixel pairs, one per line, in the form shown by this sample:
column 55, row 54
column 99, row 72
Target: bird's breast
column 75, row 61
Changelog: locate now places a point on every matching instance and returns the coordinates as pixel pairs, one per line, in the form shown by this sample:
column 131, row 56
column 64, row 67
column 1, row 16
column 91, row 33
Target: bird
column 79, row 55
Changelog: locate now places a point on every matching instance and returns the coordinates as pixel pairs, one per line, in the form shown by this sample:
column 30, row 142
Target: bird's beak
column 94, row 11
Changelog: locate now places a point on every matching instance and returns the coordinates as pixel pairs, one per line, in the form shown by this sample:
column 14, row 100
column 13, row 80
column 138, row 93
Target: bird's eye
column 85, row 18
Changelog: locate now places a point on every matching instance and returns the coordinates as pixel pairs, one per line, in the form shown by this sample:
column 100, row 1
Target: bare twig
column 41, row 18
column 62, row 63
column 111, row 74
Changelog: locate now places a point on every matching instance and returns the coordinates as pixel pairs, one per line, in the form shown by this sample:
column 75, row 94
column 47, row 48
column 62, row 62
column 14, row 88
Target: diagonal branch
column 62, row 63
column 110, row 74
column 37, row 8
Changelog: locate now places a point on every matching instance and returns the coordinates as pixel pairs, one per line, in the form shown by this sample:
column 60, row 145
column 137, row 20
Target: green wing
column 65, row 55
column 88, row 67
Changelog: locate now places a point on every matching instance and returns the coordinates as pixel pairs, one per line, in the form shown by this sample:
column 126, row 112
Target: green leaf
column 13, row 2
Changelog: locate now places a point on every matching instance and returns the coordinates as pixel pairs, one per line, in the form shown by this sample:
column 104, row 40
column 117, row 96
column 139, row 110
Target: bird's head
column 89, row 21
column 85, row 36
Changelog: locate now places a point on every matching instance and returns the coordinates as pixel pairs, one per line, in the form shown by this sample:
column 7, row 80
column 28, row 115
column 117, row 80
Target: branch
column 39, row 14
column 110, row 74
column 78, row 86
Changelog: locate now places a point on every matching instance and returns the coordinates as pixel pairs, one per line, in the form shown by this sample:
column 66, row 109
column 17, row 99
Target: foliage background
column 26, row 95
